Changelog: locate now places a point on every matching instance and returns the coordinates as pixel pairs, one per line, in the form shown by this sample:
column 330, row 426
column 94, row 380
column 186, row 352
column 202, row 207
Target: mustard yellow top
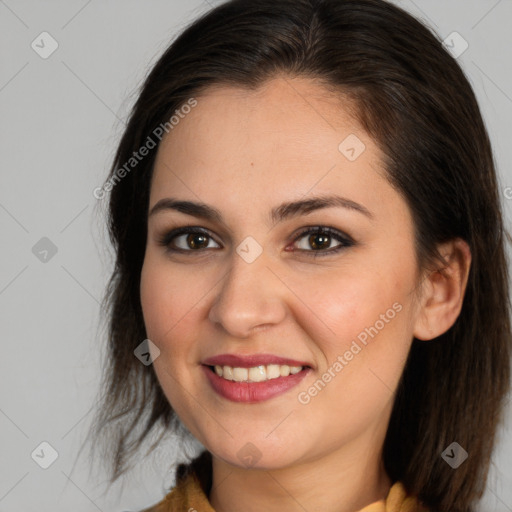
column 188, row 496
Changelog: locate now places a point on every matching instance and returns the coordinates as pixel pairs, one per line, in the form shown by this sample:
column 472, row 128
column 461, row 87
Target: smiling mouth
column 259, row 373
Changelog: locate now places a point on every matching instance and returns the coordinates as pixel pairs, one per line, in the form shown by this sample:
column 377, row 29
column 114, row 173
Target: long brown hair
column 414, row 100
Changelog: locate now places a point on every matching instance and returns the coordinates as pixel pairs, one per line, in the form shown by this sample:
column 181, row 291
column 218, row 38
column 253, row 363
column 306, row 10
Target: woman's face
column 253, row 282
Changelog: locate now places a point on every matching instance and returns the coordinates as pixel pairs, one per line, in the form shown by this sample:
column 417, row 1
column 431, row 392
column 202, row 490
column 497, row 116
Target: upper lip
column 249, row 361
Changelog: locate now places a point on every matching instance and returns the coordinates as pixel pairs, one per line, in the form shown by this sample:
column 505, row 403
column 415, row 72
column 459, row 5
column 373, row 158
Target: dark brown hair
column 414, row 100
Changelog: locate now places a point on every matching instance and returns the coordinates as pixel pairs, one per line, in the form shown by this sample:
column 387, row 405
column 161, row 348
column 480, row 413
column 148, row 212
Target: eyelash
column 345, row 240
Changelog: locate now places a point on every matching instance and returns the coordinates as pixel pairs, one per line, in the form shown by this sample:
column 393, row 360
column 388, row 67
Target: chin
column 257, row 455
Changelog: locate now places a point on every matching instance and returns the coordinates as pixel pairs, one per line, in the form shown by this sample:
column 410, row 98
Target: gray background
column 61, row 118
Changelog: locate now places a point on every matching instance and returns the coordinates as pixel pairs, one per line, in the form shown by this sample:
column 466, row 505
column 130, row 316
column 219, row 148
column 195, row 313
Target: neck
column 345, row 480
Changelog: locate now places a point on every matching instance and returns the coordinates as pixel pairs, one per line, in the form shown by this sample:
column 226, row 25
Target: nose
column 251, row 298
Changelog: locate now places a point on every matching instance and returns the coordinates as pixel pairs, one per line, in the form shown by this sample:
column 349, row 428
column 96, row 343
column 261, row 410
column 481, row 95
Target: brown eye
column 322, row 241
column 197, row 241
column 319, row 241
column 188, row 239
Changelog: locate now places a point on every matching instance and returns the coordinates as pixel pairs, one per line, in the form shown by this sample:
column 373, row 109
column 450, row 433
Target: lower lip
column 252, row 392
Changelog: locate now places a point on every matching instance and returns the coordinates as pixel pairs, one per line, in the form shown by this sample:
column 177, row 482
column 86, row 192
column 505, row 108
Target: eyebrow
column 280, row 213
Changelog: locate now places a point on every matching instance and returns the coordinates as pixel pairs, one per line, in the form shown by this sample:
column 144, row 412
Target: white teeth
column 227, row 372
column 256, row 373
column 240, row 374
column 273, row 371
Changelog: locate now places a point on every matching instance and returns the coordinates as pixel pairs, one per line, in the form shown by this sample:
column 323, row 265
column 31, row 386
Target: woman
column 310, row 252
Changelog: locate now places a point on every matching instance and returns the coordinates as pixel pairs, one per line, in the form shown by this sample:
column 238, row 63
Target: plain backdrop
column 61, row 117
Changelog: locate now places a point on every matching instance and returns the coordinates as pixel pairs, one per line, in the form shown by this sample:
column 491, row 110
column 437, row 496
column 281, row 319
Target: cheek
column 368, row 336
column 167, row 306
column 168, row 298
column 170, row 304
column 366, row 320
column 349, row 305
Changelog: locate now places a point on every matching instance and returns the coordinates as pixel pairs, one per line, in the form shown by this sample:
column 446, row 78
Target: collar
column 189, row 496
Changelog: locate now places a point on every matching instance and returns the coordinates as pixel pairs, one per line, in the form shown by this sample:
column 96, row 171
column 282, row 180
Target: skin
column 245, row 152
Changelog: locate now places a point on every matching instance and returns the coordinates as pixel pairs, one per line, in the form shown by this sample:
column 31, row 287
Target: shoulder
column 177, row 499
column 399, row 500
column 193, row 483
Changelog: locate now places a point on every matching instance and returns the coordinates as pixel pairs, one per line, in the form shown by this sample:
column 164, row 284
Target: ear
column 443, row 291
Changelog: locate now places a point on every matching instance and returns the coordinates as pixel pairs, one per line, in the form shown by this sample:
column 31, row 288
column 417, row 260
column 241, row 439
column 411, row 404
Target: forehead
column 283, row 107
column 280, row 141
